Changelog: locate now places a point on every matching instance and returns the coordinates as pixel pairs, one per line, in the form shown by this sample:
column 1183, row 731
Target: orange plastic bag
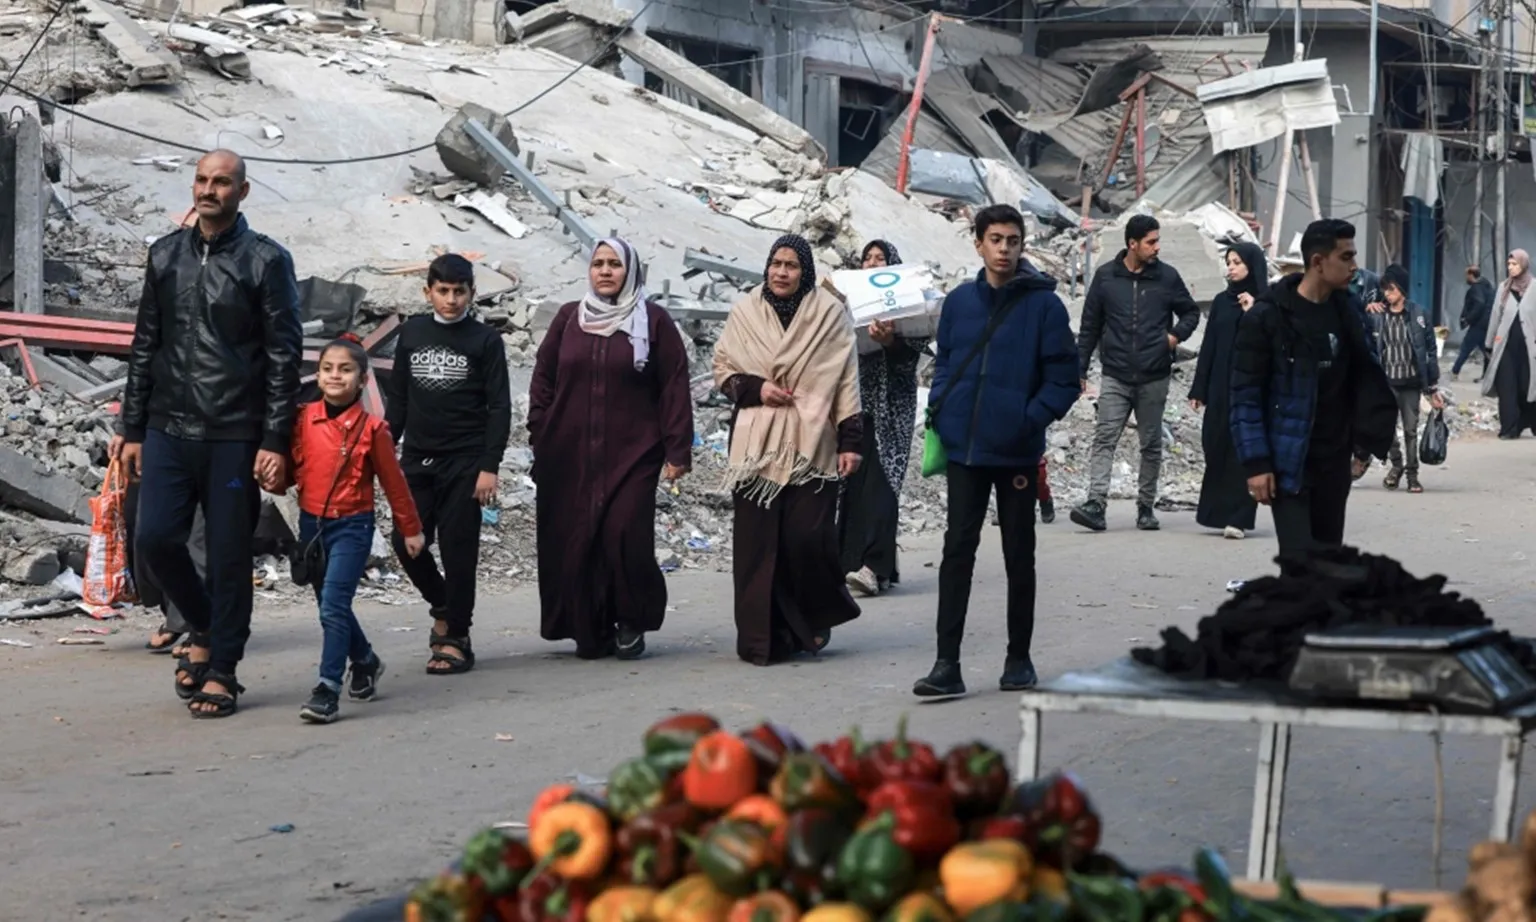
column 107, row 580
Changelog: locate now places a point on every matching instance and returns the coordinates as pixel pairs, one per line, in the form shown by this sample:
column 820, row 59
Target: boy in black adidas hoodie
column 450, row 399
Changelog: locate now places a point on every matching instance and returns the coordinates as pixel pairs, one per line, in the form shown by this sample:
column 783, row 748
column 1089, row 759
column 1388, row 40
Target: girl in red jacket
column 338, row 449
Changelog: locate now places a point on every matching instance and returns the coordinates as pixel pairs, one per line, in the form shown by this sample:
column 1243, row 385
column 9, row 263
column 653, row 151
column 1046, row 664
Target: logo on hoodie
column 439, row 368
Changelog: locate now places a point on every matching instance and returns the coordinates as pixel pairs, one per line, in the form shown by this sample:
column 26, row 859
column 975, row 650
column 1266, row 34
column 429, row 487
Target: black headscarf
column 1257, row 281
column 786, row 307
column 892, row 258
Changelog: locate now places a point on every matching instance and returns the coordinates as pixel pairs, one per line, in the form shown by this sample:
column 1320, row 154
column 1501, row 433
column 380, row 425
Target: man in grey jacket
column 1405, row 340
column 1136, row 313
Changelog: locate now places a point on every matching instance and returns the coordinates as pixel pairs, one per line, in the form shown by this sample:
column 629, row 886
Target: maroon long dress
column 600, row 432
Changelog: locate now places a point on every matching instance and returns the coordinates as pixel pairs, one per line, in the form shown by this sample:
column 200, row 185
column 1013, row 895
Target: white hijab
column 602, row 316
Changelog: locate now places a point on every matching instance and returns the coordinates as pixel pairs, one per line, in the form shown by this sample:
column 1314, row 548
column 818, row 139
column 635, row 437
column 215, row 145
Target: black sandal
column 197, row 672
column 456, row 664
column 224, row 703
column 165, row 646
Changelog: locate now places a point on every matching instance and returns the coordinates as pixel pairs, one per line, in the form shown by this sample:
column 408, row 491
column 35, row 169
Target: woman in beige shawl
column 787, row 360
column 1511, row 371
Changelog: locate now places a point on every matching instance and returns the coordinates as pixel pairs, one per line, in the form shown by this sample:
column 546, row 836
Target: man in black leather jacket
column 1135, row 314
column 207, row 416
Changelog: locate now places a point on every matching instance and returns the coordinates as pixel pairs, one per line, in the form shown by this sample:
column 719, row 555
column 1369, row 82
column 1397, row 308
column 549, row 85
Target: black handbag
column 307, row 560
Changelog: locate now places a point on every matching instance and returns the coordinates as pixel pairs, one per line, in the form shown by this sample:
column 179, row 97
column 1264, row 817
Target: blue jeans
column 348, row 542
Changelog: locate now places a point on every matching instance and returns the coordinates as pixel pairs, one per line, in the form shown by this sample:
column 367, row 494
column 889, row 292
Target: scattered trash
column 503, row 737
column 281, row 828
column 81, row 641
column 14, row 643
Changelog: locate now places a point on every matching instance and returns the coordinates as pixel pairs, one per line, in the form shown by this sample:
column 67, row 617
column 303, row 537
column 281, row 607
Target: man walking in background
column 213, row 380
column 1405, row 340
column 1476, row 307
column 1136, row 313
column 1308, row 396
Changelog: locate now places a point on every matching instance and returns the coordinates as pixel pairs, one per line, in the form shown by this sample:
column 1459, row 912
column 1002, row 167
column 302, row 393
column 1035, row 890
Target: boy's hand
column 269, row 469
column 415, row 544
column 485, row 488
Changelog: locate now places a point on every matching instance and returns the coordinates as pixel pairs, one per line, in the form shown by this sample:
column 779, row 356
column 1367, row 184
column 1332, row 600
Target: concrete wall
column 1343, row 159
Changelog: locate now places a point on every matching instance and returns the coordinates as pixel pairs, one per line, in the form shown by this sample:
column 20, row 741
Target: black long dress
column 1512, row 382
column 1224, row 498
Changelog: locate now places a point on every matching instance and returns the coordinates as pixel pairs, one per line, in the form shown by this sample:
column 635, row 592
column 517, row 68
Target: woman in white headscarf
column 609, row 414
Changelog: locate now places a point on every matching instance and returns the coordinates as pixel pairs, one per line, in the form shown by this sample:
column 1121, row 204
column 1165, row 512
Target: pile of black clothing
column 1257, row 634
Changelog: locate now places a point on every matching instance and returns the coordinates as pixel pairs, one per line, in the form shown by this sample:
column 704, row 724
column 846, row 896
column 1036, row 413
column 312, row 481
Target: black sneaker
column 1047, row 511
column 943, row 682
column 1089, row 515
column 1145, row 520
column 630, row 644
column 323, row 706
column 1018, row 675
column 364, row 683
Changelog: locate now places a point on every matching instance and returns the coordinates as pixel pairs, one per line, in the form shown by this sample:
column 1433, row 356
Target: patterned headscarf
column 786, row 307
column 892, row 258
column 602, row 316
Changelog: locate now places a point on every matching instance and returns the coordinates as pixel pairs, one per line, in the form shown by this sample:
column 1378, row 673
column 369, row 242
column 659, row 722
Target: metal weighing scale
column 1460, row 669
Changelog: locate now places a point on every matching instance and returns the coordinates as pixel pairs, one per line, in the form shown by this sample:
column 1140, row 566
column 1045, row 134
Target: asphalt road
column 114, row 805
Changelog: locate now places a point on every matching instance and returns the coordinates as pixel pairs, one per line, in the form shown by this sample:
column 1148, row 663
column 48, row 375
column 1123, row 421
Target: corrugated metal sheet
column 1030, row 84
column 823, row 110
column 930, row 134
column 964, row 109
column 1179, row 53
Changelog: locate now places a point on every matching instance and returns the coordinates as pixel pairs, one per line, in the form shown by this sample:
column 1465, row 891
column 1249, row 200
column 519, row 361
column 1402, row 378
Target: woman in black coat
column 1224, row 500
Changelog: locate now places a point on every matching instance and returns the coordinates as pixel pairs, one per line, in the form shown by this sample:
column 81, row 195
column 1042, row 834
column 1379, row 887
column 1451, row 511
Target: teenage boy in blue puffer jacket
column 1005, row 369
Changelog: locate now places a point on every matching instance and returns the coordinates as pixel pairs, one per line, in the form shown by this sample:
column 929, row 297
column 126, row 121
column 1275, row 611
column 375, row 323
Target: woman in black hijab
column 888, row 392
column 1224, row 500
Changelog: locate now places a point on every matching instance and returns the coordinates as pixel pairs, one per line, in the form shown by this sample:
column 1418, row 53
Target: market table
column 1129, row 689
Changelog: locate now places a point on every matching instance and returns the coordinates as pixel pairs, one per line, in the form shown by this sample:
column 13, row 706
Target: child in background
column 338, row 449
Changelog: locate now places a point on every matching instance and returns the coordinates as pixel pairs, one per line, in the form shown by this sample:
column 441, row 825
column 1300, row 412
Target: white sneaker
column 863, row 582
column 1233, row 532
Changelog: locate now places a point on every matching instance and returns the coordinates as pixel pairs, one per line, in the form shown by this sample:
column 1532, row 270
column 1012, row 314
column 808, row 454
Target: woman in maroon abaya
column 609, row 414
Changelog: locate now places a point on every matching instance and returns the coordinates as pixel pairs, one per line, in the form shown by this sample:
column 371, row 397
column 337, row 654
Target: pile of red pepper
column 711, row 826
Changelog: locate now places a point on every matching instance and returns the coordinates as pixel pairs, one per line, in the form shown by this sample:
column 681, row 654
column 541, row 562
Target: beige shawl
column 816, row 360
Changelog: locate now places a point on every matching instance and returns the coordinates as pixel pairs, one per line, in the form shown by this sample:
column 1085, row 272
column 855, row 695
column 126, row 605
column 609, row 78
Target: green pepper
column 875, row 871
column 805, row 779
column 669, row 742
column 1211, row 871
column 739, row 857
column 635, row 787
column 1104, row 899
column 499, row 862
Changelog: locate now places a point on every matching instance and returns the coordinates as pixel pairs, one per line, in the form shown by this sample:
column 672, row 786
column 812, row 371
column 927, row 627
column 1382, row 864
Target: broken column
column 465, row 158
column 31, row 213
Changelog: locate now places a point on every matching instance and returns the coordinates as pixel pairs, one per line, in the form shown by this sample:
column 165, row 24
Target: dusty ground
column 115, row 806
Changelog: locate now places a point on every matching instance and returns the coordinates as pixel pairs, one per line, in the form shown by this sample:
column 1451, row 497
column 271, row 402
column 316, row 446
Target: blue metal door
column 1421, row 258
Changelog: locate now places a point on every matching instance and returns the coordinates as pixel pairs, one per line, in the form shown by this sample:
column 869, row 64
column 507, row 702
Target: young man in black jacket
column 1309, row 398
column 1476, row 307
column 450, row 400
column 213, row 379
column 1136, row 313
column 1405, row 343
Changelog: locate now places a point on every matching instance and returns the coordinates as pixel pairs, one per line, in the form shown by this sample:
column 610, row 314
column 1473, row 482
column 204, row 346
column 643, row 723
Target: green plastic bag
column 935, row 461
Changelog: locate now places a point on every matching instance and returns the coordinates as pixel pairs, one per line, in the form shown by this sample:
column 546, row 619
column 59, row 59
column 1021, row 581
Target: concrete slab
column 29, row 486
column 148, row 61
